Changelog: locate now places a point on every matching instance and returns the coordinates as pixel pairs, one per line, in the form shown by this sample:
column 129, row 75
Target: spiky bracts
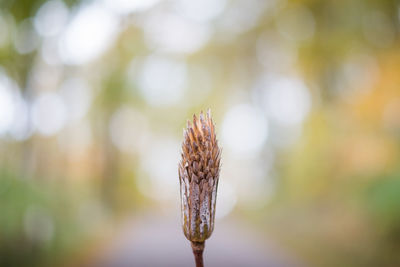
column 198, row 176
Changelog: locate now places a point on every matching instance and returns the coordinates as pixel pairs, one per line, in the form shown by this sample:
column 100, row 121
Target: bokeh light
column 49, row 114
column 128, row 130
column 162, row 80
column 89, row 33
column 168, row 32
column 51, row 18
column 244, row 130
column 286, row 100
column 304, row 94
column 7, row 105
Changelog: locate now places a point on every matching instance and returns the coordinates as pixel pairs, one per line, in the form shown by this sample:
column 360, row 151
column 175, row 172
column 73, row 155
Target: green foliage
column 383, row 203
column 36, row 221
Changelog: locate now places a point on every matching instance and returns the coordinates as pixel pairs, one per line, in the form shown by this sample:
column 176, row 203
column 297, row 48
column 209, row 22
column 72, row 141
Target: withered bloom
column 198, row 176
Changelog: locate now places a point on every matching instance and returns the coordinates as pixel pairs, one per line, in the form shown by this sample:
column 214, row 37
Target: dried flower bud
column 198, row 176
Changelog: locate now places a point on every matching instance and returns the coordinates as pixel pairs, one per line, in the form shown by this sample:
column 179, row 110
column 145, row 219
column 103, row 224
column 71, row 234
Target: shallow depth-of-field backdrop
column 94, row 96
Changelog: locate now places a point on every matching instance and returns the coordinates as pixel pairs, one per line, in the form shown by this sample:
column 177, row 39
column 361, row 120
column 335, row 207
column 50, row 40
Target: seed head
column 198, row 177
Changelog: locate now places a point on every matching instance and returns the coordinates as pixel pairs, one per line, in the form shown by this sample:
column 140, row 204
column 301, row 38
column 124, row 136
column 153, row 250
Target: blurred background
column 94, row 96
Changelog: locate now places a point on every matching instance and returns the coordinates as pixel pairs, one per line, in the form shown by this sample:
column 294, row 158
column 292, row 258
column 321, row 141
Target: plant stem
column 198, row 248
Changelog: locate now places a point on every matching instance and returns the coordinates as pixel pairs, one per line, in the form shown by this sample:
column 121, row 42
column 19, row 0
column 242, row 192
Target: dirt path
column 158, row 241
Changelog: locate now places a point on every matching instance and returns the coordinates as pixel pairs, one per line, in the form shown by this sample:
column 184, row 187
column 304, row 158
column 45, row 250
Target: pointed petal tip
column 209, row 114
column 188, row 126
column 201, row 116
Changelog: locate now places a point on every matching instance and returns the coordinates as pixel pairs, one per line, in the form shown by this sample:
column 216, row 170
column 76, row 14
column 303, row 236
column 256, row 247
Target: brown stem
column 198, row 248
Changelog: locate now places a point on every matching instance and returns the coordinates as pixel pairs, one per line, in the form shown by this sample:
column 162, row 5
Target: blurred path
column 159, row 241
